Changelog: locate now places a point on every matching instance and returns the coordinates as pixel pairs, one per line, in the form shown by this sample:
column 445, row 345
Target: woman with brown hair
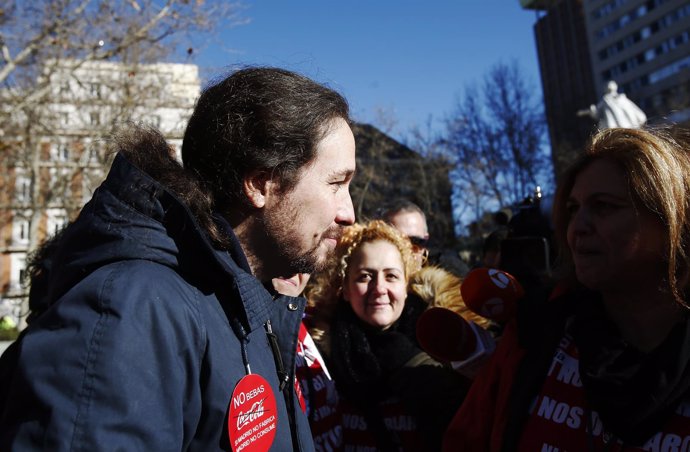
column 604, row 365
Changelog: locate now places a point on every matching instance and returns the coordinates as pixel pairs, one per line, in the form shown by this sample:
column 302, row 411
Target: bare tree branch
column 71, row 72
column 496, row 138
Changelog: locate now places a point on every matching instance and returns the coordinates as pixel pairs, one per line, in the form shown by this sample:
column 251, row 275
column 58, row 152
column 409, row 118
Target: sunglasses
column 418, row 242
column 419, row 247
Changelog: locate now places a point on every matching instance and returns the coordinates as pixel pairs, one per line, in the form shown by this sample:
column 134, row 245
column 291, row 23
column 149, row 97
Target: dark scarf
column 633, row 392
column 363, row 358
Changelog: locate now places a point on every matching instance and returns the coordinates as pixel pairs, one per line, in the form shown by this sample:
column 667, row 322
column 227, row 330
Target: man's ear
column 256, row 186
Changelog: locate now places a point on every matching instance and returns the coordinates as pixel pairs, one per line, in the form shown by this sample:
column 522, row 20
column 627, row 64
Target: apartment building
column 54, row 147
column 643, row 45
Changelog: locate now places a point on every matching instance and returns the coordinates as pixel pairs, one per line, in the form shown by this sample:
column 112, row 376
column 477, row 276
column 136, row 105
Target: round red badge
column 253, row 417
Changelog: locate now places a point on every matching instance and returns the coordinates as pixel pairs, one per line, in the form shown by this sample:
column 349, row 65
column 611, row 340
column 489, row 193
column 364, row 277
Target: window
column 60, row 152
column 628, row 41
column 23, row 189
column 633, row 15
column 24, row 230
column 95, row 90
column 57, row 219
column 646, row 32
column 64, row 118
column 95, row 118
column 60, row 185
column 607, row 8
column 17, row 270
column 63, row 152
column 669, row 70
column 21, row 230
column 94, row 153
column 59, row 223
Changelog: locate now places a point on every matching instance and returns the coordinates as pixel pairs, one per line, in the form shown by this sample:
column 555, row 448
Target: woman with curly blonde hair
column 326, row 293
column 393, row 395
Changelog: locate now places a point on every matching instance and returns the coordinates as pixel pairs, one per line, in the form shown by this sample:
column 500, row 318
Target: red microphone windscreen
column 445, row 336
column 491, row 293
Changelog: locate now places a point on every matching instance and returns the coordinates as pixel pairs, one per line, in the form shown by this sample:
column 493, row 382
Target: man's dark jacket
column 140, row 349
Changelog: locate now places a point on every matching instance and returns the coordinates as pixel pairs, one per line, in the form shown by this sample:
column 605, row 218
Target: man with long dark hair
column 157, row 330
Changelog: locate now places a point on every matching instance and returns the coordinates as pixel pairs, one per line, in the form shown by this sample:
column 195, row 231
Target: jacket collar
column 131, row 203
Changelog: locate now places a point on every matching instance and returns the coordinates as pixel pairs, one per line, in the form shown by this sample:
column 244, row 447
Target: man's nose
column 345, row 215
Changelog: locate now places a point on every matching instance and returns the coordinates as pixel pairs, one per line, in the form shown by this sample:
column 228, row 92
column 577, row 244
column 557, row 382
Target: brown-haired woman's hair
column 326, row 291
column 656, row 163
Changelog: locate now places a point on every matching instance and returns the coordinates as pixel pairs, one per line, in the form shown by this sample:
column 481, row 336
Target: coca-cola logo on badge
column 252, row 420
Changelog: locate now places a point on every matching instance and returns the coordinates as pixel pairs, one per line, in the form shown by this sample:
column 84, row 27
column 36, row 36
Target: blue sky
column 409, row 59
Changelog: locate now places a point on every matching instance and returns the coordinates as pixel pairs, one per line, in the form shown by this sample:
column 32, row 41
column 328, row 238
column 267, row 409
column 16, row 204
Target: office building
column 54, row 152
column 643, row 45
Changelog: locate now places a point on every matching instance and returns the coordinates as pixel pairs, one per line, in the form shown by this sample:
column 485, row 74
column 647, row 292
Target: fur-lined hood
column 440, row 288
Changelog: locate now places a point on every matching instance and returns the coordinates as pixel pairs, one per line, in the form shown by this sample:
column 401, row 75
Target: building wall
column 644, row 45
column 566, row 76
column 60, row 160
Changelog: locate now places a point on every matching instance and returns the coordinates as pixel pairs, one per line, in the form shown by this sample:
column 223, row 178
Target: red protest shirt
column 317, row 395
column 559, row 417
column 358, row 436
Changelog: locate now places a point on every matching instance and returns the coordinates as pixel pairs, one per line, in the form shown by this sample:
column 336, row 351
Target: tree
column 39, row 34
column 495, row 138
column 432, row 185
column 71, row 71
column 415, row 169
column 387, row 169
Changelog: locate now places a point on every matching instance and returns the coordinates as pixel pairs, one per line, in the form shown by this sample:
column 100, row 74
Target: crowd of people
column 232, row 301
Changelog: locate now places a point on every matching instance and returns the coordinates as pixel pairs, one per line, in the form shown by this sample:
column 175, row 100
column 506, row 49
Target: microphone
column 491, row 293
column 444, row 335
column 449, row 338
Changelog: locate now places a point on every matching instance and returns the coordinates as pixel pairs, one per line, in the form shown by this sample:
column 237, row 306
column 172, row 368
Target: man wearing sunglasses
column 408, row 218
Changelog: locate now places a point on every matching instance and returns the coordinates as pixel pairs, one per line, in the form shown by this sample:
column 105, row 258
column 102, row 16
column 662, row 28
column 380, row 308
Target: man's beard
column 282, row 231
column 306, row 263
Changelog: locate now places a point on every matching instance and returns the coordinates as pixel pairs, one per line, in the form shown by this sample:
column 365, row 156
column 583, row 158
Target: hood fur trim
column 440, row 288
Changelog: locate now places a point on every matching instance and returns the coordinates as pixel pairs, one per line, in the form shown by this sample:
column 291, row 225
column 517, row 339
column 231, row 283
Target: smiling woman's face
column 615, row 246
column 375, row 285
